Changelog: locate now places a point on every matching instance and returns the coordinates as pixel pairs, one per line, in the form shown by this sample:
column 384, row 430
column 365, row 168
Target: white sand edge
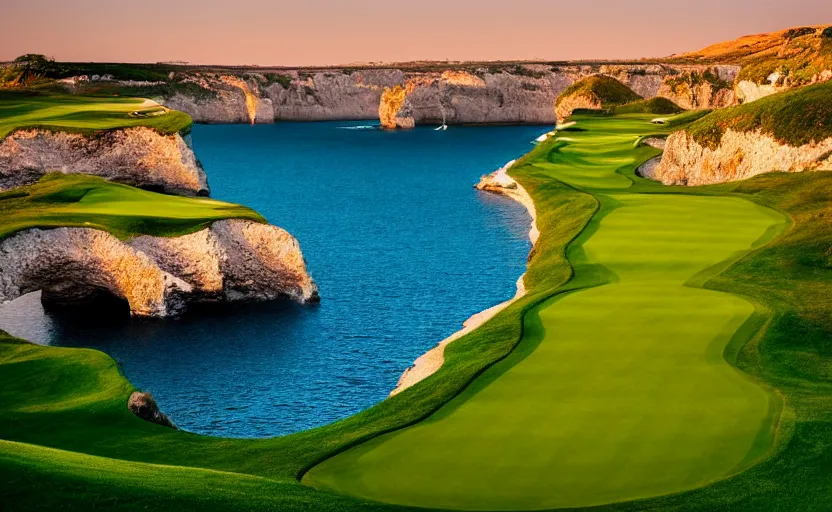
column 498, row 182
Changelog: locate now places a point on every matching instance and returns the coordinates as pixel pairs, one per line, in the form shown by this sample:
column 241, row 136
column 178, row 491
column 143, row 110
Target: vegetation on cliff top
column 690, row 79
column 796, row 117
column 798, row 54
column 657, row 105
column 607, row 90
column 78, row 200
column 83, row 114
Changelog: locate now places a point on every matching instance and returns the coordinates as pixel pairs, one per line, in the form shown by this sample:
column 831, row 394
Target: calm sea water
column 401, row 245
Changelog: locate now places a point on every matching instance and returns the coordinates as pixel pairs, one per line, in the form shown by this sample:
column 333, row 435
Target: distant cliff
column 499, row 93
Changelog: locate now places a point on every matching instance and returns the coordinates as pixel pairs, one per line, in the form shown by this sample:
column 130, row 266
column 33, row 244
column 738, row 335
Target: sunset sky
column 345, row 31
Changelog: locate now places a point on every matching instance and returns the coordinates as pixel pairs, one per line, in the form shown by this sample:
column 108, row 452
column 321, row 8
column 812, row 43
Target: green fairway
column 617, row 392
column 70, row 442
column 88, row 201
column 84, row 114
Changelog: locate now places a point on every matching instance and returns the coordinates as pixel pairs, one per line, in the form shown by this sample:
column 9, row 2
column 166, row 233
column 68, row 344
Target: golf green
column 79, row 200
column 618, row 390
column 20, row 110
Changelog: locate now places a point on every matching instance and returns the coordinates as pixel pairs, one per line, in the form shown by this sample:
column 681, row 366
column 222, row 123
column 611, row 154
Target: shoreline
column 498, row 182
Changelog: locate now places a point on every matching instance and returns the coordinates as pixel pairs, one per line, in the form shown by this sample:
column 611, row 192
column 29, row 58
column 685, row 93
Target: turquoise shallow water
column 401, row 245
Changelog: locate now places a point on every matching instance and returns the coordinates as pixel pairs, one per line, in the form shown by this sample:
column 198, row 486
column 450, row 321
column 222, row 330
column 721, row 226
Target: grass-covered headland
column 59, row 200
column 68, row 441
column 796, row 117
column 32, row 109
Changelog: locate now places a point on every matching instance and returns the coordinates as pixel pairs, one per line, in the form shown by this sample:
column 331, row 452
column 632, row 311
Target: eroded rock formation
column 71, row 265
column 233, row 260
column 223, row 99
column 136, row 156
column 395, row 110
column 144, row 406
column 701, row 89
column 738, row 156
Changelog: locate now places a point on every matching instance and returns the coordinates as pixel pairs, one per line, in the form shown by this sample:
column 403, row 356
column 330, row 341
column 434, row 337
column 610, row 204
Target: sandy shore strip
column 498, row 182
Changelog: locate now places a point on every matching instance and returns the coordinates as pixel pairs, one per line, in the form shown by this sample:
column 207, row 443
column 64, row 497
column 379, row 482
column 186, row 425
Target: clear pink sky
column 305, row 32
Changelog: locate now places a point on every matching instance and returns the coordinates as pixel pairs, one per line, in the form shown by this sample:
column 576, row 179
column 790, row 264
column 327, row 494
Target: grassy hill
column 608, row 91
column 798, row 54
column 795, row 117
column 655, row 105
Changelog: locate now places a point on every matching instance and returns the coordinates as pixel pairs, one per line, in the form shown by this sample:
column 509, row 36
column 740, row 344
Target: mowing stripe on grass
column 616, row 392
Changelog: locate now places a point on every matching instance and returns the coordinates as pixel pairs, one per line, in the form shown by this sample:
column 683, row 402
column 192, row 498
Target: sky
column 324, row 32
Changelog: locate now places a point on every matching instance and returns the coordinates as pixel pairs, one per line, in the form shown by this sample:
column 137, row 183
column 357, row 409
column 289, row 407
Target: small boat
column 444, row 124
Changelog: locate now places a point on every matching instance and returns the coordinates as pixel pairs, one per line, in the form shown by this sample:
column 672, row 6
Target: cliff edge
column 140, row 156
column 786, row 132
column 231, row 261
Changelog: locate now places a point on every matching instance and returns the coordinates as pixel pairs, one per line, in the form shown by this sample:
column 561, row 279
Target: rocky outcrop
column 231, row 261
column 72, row 265
column 135, row 156
column 232, row 100
column 144, row 406
column 748, row 91
column 738, row 156
column 698, row 95
column 395, row 109
column 565, row 107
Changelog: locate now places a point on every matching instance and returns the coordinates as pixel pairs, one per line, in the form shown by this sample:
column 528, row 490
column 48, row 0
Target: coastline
column 498, row 182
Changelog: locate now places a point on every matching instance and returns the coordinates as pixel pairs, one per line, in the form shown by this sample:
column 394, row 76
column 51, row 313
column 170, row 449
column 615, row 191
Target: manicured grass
column 617, row 392
column 60, row 200
column 83, row 114
column 790, row 280
column 655, row 105
column 795, row 117
column 609, row 91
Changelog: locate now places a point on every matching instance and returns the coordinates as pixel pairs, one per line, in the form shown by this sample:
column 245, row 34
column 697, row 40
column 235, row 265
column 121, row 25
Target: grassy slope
column 609, row 91
column 655, row 105
column 795, row 117
column 534, row 431
column 82, row 114
column 791, row 276
column 91, row 202
column 798, row 53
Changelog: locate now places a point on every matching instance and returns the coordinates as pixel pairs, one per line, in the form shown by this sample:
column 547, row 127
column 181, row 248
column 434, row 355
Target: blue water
column 401, row 245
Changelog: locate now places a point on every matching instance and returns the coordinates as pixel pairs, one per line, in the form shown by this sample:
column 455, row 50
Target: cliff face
column 233, row 260
column 233, row 100
column 507, row 94
column 331, row 95
column 708, row 88
column 136, row 156
column 739, row 155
